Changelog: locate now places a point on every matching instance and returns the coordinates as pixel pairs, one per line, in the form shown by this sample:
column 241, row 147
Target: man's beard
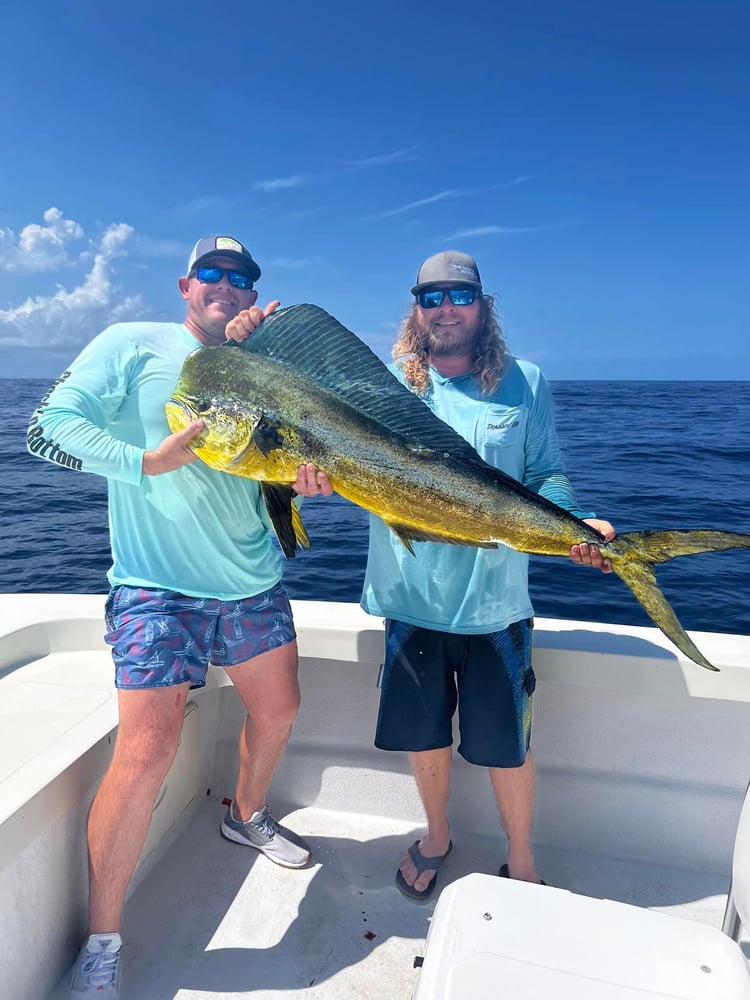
column 447, row 344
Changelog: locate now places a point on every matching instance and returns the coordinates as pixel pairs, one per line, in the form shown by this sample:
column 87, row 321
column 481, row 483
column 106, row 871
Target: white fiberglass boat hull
column 642, row 761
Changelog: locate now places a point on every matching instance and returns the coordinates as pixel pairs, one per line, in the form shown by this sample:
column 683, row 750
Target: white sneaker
column 97, row 969
column 263, row 833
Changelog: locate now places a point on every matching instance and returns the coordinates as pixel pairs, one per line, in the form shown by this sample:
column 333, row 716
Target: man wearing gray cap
column 459, row 619
column 195, row 580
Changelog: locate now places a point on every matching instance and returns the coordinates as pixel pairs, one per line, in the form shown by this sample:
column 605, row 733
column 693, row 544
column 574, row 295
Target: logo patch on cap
column 462, row 268
column 227, row 243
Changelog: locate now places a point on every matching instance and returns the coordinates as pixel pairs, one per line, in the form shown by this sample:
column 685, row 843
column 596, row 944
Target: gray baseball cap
column 223, row 246
column 449, row 265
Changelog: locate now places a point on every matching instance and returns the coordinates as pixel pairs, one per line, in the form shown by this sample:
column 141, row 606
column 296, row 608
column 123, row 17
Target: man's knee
column 276, row 717
column 146, row 753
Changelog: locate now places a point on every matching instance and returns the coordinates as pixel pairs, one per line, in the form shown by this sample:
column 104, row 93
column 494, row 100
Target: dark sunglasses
column 432, row 298
column 213, row 275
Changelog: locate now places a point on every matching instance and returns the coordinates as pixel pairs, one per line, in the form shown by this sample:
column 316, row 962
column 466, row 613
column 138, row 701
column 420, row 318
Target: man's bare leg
column 147, row 738
column 269, row 690
column 514, row 792
column 432, row 773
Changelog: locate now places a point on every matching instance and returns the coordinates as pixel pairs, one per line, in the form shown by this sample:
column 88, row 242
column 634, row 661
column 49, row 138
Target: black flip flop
column 422, row 864
column 504, row 873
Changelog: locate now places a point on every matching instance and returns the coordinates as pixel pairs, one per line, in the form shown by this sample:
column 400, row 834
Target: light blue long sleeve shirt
column 457, row 588
column 194, row 530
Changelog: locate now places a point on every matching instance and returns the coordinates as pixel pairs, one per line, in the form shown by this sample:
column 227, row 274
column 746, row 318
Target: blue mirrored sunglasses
column 433, row 297
column 213, row 275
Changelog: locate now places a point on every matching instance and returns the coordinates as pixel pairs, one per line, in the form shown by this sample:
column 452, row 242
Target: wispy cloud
column 451, row 193
column 384, row 159
column 282, row 183
column 521, row 179
column 70, row 318
column 442, row 196
column 504, row 230
column 40, row 248
column 369, row 163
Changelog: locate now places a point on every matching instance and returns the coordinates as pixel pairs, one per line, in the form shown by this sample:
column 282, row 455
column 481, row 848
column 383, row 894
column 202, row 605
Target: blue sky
column 593, row 157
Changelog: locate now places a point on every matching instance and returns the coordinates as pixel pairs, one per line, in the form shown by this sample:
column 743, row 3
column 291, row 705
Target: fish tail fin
column 661, row 546
column 634, row 564
column 285, row 518
column 640, row 577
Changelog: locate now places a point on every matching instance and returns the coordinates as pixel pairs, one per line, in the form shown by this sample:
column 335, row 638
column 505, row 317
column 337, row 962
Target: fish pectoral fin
column 285, row 518
column 640, row 576
column 267, row 436
column 408, row 534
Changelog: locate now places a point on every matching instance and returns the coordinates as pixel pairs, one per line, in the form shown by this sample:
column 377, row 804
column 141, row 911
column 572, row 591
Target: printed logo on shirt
column 47, row 447
column 504, row 427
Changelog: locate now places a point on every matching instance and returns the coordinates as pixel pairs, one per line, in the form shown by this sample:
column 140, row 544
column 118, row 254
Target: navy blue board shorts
column 489, row 677
column 160, row 638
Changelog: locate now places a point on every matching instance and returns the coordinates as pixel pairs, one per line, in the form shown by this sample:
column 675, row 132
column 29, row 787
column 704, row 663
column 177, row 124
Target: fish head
column 228, row 423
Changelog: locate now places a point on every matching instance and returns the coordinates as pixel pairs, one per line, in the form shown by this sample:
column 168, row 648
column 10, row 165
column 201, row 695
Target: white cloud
column 504, row 230
column 40, row 248
column 522, row 179
column 114, row 238
column 442, row 196
column 399, row 156
column 70, row 318
column 281, row 183
column 300, row 180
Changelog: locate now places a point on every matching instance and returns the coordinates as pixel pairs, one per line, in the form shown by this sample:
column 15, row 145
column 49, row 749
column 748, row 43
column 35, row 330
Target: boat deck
column 641, row 771
column 211, row 919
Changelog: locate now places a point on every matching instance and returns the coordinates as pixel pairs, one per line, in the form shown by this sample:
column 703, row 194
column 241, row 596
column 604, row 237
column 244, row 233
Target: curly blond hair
column 491, row 355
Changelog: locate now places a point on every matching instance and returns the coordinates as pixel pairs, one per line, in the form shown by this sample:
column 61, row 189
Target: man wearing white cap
column 195, row 580
column 459, row 619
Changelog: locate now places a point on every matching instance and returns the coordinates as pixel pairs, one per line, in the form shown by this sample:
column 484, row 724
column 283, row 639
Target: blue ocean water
column 645, row 455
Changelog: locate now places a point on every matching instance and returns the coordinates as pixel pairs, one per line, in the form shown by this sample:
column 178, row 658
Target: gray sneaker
column 263, row 833
column 97, row 969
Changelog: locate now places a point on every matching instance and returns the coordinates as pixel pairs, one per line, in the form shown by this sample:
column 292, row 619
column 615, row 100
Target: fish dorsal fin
column 285, row 518
column 309, row 340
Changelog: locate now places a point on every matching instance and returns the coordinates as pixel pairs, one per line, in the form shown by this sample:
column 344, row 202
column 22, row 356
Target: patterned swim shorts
column 160, row 638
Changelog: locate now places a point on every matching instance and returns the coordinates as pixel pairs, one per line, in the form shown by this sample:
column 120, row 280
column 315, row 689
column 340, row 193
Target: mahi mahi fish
column 302, row 388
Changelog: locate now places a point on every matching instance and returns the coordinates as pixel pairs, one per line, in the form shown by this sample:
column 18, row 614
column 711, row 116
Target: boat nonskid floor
column 212, row 919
